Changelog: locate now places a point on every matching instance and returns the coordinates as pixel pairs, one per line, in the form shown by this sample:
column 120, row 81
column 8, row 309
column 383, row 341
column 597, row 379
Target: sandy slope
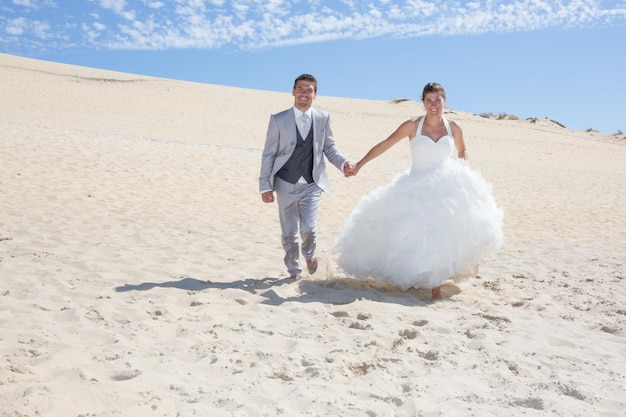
column 141, row 275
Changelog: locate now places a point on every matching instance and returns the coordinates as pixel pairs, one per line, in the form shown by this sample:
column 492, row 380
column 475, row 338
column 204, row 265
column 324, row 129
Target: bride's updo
column 434, row 88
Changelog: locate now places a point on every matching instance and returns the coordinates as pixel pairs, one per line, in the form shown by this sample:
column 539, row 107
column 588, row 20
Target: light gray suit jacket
column 280, row 143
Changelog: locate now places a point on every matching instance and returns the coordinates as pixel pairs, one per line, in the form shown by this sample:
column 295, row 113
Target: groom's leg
column 309, row 212
column 287, row 198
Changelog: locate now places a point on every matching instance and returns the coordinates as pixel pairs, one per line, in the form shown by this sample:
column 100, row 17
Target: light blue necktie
column 304, row 125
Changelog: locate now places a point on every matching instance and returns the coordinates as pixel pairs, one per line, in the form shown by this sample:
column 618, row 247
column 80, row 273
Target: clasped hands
column 350, row 169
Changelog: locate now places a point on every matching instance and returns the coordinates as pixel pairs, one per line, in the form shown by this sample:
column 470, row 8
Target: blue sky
column 564, row 60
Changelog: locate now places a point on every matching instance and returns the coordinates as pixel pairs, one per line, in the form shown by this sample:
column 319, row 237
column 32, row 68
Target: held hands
column 347, row 169
column 350, row 169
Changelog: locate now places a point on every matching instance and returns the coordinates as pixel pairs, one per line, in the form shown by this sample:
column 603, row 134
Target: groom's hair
column 306, row 77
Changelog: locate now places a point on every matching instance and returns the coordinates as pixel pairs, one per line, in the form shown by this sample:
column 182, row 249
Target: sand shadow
column 336, row 291
column 341, row 291
column 192, row 284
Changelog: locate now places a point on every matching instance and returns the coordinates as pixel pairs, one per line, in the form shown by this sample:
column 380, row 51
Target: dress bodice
column 427, row 153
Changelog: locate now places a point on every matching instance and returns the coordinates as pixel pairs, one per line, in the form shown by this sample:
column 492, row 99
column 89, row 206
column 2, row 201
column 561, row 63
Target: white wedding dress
column 432, row 223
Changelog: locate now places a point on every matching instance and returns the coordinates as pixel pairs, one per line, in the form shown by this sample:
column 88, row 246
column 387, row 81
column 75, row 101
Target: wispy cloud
column 253, row 24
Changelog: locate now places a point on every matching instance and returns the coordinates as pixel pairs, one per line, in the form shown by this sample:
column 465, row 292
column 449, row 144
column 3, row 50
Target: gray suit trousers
column 298, row 209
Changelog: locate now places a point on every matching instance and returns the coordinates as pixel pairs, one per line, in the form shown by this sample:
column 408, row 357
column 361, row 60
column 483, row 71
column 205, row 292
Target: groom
column 293, row 165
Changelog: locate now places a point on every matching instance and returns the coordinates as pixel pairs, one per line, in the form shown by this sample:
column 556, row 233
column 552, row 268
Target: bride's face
column 433, row 103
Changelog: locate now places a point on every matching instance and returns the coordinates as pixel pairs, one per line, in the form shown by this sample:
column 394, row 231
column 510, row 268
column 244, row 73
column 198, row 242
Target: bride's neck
column 433, row 121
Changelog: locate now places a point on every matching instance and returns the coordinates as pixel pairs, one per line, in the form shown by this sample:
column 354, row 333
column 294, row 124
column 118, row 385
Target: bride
column 430, row 224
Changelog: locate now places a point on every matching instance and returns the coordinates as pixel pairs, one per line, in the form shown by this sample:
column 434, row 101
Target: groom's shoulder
column 282, row 113
column 320, row 112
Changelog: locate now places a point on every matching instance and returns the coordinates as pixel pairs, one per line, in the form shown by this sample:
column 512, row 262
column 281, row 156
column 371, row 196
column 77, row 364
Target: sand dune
column 141, row 275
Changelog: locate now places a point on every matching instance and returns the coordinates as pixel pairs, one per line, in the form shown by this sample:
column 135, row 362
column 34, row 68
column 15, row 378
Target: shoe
column 295, row 277
column 311, row 265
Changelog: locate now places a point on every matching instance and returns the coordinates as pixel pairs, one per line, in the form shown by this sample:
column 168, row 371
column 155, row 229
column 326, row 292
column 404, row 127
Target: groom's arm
column 268, row 158
column 330, row 149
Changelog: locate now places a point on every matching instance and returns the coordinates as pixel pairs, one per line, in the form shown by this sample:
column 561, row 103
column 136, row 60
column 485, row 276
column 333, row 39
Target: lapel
column 315, row 118
column 290, row 125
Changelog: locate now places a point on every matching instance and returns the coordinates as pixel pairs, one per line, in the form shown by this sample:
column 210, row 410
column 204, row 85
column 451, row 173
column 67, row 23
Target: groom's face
column 304, row 94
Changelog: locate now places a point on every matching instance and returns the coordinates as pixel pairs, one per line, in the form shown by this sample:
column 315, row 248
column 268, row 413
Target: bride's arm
column 459, row 142
column 404, row 130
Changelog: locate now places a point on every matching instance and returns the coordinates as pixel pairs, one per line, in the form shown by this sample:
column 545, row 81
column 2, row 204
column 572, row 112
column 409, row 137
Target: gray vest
column 300, row 164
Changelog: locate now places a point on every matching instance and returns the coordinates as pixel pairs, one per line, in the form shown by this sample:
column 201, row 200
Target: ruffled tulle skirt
column 423, row 228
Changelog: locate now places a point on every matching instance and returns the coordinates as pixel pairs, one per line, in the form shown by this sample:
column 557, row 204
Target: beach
column 142, row 275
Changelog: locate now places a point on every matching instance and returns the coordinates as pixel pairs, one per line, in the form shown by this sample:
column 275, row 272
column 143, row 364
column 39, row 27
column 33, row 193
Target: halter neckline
column 421, row 124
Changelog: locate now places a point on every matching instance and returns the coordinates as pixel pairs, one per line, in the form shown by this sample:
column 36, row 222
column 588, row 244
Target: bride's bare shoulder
column 409, row 127
column 413, row 121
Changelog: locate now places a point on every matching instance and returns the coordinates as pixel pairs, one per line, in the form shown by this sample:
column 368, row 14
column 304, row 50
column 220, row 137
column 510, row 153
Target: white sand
column 141, row 275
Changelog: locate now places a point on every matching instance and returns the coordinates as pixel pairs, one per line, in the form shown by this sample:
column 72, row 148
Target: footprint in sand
column 534, row 403
column 126, row 375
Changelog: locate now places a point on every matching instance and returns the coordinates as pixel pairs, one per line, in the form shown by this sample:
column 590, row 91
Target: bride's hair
column 434, row 88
